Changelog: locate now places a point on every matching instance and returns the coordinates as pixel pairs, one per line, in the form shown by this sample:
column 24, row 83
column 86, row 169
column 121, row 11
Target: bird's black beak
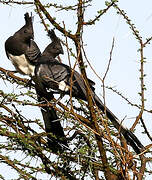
column 32, row 36
column 31, row 41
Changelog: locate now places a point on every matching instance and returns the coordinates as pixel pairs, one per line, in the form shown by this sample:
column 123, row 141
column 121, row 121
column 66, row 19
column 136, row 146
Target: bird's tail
column 131, row 139
column 56, row 138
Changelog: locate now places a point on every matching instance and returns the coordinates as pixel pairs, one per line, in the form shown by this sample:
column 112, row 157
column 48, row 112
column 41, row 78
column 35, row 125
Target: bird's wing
column 52, row 73
column 58, row 72
column 56, row 138
column 33, row 52
column 13, row 47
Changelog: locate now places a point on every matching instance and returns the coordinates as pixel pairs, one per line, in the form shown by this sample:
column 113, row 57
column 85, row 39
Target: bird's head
column 55, row 47
column 28, row 27
column 26, row 33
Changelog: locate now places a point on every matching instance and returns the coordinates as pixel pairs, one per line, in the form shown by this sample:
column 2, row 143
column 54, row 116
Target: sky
column 124, row 69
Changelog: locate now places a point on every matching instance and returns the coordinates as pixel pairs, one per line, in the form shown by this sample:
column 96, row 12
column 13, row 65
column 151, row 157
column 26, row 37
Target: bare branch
column 16, row 2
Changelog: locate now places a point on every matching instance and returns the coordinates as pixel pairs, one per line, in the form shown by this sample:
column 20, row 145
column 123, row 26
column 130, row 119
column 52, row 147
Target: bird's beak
column 32, row 36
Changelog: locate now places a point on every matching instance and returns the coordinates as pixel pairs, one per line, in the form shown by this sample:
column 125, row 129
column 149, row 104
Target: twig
column 51, row 19
column 126, row 99
column 145, row 128
column 16, row 2
column 66, row 44
column 110, row 59
column 147, row 41
column 11, row 74
column 41, row 17
column 23, row 173
column 142, row 61
column 101, row 12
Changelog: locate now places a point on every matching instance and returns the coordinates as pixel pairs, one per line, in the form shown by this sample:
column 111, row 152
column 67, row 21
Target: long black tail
column 131, row 139
column 56, row 139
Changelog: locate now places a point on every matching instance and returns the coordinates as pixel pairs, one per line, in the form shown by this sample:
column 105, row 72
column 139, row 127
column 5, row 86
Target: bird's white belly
column 22, row 65
column 63, row 86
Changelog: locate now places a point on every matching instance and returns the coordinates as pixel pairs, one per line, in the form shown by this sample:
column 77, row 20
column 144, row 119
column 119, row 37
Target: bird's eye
column 25, row 31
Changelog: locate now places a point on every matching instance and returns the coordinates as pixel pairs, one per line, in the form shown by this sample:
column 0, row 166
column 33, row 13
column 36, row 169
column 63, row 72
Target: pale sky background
column 124, row 69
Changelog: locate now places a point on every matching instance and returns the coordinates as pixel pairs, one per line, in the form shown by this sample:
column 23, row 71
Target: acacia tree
column 96, row 149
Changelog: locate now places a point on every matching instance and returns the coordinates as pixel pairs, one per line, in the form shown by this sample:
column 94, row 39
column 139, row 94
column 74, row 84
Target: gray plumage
column 52, row 74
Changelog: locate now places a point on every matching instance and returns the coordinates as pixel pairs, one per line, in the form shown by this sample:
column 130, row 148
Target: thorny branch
column 51, row 19
column 95, row 125
column 146, row 130
column 16, row 2
column 101, row 12
column 41, row 17
column 139, row 38
column 142, row 85
column 23, row 173
column 126, row 99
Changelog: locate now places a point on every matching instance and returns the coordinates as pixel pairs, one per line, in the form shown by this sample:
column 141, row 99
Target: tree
column 97, row 150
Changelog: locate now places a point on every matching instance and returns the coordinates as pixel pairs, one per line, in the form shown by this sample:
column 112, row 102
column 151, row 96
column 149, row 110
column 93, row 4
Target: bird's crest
column 28, row 19
column 52, row 35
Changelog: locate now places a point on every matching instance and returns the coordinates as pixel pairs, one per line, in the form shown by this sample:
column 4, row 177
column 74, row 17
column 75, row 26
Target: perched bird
column 55, row 75
column 52, row 50
column 24, row 52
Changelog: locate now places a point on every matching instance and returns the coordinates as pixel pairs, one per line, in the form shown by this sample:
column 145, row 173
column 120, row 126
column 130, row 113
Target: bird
column 23, row 52
column 52, row 50
column 56, row 76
